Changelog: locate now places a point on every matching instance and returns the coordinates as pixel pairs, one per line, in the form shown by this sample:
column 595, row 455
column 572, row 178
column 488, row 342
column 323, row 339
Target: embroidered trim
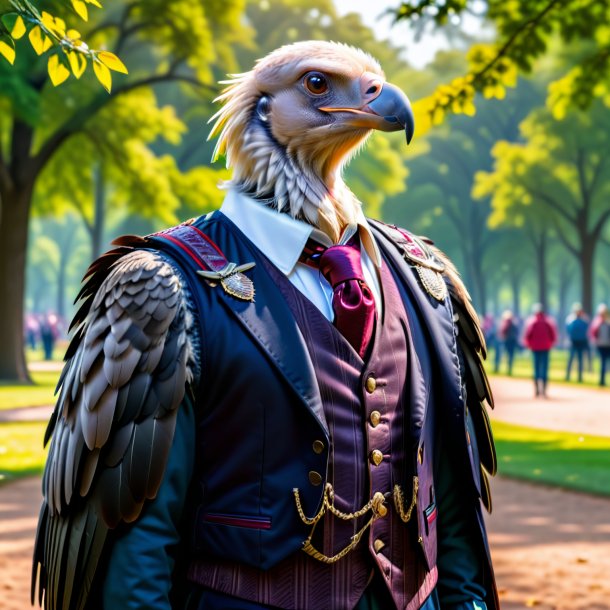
column 399, row 501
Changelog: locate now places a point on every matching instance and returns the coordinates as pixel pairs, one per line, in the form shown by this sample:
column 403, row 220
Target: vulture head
column 289, row 126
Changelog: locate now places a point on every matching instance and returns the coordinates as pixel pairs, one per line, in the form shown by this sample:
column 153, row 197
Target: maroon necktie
column 353, row 301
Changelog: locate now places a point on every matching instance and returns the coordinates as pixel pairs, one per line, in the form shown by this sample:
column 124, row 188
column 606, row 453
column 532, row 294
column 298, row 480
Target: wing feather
column 127, row 369
column 472, row 345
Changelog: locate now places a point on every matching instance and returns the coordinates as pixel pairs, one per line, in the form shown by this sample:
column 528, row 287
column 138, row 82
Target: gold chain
column 399, row 501
column 376, row 504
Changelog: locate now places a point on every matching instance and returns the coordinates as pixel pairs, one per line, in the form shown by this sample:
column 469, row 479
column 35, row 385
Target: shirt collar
column 282, row 238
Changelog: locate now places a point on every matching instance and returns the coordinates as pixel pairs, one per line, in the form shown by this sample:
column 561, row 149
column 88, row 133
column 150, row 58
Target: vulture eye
column 316, row 83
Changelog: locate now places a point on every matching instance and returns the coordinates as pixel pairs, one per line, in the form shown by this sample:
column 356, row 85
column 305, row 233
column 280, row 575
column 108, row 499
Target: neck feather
column 308, row 187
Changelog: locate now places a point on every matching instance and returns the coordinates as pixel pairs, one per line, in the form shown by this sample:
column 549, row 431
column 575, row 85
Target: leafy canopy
column 525, row 30
column 68, row 53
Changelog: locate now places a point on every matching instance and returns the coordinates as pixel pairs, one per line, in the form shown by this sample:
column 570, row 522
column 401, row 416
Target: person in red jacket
column 540, row 336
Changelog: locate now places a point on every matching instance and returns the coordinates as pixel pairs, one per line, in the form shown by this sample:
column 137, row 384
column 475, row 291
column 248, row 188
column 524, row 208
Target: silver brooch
column 433, row 282
column 232, row 280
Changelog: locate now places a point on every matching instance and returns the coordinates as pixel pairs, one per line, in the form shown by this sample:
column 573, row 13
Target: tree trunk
column 515, row 286
column 565, row 276
column 586, row 265
column 13, row 250
column 540, row 253
column 66, row 250
column 99, row 214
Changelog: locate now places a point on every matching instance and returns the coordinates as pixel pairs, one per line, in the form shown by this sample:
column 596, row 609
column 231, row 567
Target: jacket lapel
column 268, row 319
column 437, row 316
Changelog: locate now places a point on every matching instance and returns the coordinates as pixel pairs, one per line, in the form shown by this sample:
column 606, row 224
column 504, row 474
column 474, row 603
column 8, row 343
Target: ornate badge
column 433, row 282
column 232, row 280
column 429, row 268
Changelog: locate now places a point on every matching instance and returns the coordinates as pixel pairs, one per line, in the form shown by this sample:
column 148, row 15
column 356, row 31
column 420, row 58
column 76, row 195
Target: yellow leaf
column 48, row 20
column 58, row 73
column 7, row 52
column 94, row 2
column 54, row 24
column 78, row 63
column 73, row 35
column 103, row 75
column 40, row 43
column 18, row 28
column 81, row 9
column 110, row 60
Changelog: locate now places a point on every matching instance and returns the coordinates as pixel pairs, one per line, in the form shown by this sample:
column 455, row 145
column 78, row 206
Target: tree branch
column 554, row 205
column 582, row 180
column 505, row 48
column 564, row 240
column 601, row 221
column 78, row 120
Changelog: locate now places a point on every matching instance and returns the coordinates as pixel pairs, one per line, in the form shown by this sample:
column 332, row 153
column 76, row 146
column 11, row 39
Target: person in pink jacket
column 540, row 336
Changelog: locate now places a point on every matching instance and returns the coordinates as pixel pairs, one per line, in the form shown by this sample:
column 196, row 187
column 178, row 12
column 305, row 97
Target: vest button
column 378, row 545
column 371, row 384
column 376, row 457
column 318, row 446
column 315, row 478
column 375, row 418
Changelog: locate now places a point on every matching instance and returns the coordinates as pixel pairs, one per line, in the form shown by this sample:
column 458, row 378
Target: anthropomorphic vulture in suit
column 280, row 404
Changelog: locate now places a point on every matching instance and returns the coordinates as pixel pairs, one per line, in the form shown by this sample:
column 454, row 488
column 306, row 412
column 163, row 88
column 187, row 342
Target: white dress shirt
column 282, row 238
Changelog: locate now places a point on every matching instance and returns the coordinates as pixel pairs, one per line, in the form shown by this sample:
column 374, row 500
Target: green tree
column 525, row 29
column 56, row 262
column 442, row 177
column 556, row 180
column 182, row 40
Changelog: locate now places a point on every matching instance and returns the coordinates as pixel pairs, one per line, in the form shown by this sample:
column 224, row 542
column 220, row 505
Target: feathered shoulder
column 127, row 369
column 471, row 343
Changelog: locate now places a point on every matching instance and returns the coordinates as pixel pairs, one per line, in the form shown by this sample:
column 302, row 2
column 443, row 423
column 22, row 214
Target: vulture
column 286, row 128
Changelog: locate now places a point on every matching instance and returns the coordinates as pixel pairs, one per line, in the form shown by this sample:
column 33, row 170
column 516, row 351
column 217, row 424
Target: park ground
column 551, row 546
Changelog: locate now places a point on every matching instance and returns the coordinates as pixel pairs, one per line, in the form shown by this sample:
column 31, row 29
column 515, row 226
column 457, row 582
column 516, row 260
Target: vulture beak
column 390, row 110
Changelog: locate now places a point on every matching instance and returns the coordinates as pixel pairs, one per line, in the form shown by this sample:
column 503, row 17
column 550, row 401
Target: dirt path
column 551, row 548
column 568, row 407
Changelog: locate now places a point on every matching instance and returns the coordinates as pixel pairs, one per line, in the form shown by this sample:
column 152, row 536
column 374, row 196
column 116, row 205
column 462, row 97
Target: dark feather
column 110, row 434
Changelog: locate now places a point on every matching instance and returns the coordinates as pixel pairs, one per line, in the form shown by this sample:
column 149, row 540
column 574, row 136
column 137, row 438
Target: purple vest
column 366, row 407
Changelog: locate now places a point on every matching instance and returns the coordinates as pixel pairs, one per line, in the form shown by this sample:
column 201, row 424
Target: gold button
column 318, row 446
column 376, row 457
column 371, row 384
column 375, row 418
column 378, row 545
column 315, row 478
column 379, row 508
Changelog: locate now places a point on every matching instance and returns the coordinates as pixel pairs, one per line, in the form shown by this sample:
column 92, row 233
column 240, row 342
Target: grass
column 572, row 461
column 13, row 396
column 565, row 459
column 21, row 451
column 523, row 367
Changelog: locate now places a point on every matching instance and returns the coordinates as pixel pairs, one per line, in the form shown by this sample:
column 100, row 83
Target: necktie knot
column 353, row 301
column 341, row 263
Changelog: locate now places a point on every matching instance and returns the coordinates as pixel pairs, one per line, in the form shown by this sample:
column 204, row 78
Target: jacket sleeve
column 460, row 553
column 141, row 562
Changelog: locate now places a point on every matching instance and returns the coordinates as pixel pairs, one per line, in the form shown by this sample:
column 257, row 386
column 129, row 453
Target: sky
column 418, row 53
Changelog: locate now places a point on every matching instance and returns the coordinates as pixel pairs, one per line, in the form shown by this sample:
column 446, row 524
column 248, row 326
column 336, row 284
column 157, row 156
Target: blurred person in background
column 488, row 326
column 577, row 328
column 600, row 333
column 32, row 330
column 540, row 336
column 508, row 336
column 49, row 332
